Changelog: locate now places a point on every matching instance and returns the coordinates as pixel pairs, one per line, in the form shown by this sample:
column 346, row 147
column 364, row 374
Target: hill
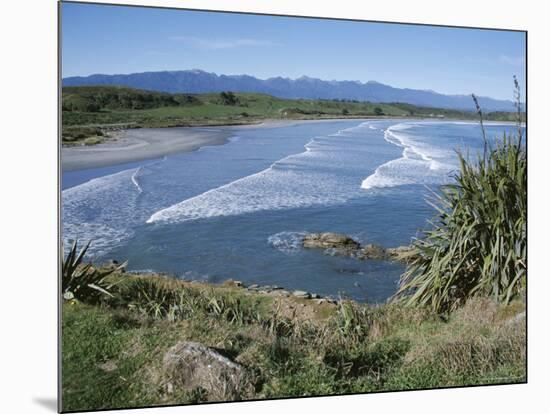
column 90, row 112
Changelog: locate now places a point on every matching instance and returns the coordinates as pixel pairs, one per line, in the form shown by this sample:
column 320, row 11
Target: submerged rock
column 191, row 365
column 337, row 242
column 372, row 252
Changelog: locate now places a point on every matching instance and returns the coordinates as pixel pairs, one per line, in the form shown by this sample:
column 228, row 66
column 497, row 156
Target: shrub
column 378, row 111
column 228, row 98
column 82, row 281
column 478, row 244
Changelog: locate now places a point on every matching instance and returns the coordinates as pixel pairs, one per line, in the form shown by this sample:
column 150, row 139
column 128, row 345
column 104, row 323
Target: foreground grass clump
column 81, row 281
column 112, row 353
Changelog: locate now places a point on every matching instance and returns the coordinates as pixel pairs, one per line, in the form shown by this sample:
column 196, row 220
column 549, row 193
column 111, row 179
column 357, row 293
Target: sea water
column 240, row 210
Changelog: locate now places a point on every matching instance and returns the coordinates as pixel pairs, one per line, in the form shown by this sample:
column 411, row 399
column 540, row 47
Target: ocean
column 240, row 210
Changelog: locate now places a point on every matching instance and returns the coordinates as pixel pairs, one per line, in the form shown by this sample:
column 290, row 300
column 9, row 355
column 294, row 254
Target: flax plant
column 478, row 243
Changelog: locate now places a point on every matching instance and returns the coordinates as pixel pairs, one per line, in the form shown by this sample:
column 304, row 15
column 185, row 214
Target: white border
column 28, row 173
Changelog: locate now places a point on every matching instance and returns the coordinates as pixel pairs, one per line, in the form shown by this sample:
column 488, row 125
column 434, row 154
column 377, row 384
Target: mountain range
column 199, row 81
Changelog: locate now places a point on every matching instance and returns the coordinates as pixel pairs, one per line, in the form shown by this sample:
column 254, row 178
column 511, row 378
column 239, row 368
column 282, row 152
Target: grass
column 112, row 353
column 88, row 113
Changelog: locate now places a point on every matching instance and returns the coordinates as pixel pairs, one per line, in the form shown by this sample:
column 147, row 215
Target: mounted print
column 262, row 206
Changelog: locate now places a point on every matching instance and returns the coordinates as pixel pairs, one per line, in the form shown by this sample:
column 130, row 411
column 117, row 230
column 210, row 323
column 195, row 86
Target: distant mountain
column 198, row 81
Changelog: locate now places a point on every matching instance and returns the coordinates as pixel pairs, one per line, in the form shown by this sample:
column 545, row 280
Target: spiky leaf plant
column 478, row 243
column 82, row 281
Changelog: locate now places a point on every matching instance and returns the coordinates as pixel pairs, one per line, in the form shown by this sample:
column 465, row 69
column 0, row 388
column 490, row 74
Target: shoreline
column 141, row 144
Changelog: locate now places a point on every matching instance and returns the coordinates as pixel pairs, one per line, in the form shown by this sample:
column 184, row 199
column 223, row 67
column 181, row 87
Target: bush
column 229, row 98
column 478, row 245
column 82, row 281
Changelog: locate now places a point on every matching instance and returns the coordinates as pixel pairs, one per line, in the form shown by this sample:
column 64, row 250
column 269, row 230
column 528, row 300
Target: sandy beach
column 147, row 143
column 141, row 144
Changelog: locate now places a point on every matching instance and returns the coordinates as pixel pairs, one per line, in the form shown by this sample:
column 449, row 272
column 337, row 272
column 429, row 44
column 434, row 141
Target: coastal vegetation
column 91, row 113
column 459, row 317
column 478, row 243
column 113, row 352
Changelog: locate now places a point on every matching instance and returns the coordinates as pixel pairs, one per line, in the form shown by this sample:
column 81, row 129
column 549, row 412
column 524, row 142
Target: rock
column 403, row 254
column 115, row 265
column 265, row 289
column 341, row 243
column 280, row 292
column 301, row 294
column 191, row 365
column 236, row 283
column 372, row 252
column 315, row 296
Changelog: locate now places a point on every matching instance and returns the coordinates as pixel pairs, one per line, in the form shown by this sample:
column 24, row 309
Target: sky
column 121, row 39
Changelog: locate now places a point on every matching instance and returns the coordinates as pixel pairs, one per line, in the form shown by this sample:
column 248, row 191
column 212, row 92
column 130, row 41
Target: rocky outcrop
column 404, row 254
column 190, row 365
column 336, row 243
column 340, row 243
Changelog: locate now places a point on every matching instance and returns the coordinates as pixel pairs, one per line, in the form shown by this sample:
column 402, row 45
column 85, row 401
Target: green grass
column 112, row 353
column 94, row 111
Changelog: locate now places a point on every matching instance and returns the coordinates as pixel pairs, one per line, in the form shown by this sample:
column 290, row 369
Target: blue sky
column 117, row 39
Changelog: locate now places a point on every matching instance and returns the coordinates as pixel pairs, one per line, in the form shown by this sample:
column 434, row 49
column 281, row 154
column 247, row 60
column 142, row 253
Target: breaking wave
column 324, row 174
column 420, row 162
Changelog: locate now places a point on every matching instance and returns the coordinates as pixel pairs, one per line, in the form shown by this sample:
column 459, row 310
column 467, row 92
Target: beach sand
column 147, row 143
column 140, row 144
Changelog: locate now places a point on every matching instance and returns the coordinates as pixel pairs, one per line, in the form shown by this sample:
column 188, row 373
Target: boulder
column 235, row 283
column 280, row 292
column 302, row 294
column 339, row 242
column 191, row 365
column 372, row 252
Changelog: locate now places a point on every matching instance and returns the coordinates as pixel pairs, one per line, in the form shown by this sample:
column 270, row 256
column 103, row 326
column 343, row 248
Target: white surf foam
column 135, row 181
column 287, row 241
column 420, row 163
column 299, row 180
column 100, row 211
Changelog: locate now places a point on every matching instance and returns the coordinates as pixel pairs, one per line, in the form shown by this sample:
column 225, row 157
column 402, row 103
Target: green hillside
column 90, row 112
